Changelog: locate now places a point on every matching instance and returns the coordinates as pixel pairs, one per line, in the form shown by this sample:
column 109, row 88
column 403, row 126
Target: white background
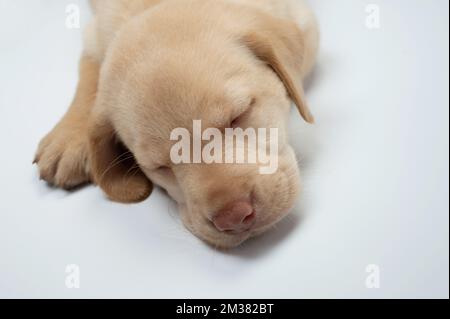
column 375, row 166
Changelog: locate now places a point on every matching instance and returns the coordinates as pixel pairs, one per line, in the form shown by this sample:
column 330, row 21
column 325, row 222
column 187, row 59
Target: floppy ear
column 113, row 167
column 279, row 43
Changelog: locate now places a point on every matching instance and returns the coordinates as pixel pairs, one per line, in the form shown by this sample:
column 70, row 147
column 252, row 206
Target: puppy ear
column 279, row 43
column 113, row 167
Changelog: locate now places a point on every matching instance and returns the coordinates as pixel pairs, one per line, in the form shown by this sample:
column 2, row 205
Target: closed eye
column 237, row 121
column 163, row 169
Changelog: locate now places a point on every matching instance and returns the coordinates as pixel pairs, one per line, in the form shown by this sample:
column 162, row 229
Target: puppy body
column 151, row 66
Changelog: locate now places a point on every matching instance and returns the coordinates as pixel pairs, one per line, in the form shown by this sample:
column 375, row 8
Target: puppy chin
column 204, row 230
column 225, row 242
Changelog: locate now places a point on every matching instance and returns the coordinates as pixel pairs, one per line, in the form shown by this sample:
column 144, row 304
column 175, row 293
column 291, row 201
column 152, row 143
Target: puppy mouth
column 238, row 232
column 222, row 239
column 229, row 239
column 231, row 232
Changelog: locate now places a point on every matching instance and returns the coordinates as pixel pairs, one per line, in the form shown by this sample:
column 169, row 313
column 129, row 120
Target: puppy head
column 164, row 80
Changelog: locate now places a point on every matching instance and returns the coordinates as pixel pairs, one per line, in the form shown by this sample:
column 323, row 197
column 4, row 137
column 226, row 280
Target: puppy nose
column 238, row 216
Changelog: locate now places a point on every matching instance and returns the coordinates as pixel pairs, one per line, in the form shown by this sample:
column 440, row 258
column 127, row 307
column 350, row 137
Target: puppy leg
column 62, row 154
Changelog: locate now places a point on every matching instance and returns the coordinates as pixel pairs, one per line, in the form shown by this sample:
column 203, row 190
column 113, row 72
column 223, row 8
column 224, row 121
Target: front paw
column 62, row 157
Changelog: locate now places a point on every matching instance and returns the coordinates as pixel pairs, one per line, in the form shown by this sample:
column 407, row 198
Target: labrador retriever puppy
column 151, row 66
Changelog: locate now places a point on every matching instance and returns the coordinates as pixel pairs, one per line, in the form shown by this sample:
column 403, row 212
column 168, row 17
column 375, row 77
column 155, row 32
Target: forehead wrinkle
column 174, row 93
column 179, row 102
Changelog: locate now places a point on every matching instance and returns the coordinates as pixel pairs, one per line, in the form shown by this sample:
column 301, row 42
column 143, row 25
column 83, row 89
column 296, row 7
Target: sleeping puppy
column 152, row 66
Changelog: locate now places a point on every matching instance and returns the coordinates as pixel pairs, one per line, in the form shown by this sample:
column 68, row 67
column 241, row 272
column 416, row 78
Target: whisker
column 116, row 162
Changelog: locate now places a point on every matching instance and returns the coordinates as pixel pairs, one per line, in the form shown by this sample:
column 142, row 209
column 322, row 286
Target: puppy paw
column 62, row 157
